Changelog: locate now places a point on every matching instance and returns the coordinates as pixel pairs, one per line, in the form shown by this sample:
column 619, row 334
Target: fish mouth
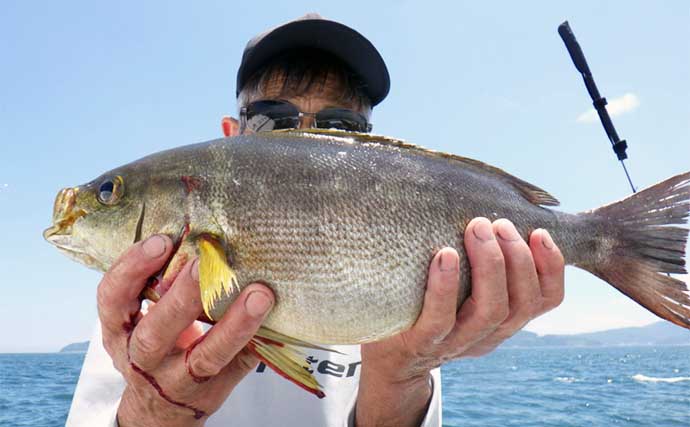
column 81, row 257
column 60, row 236
column 65, row 214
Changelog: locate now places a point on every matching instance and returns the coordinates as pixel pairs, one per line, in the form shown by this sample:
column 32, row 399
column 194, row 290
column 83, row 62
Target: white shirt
column 263, row 398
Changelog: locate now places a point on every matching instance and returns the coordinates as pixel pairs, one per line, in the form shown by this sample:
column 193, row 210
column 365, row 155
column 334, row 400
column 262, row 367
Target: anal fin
column 281, row 354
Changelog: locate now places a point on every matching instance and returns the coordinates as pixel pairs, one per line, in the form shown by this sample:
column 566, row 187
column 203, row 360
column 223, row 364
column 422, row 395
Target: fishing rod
column 619, row 145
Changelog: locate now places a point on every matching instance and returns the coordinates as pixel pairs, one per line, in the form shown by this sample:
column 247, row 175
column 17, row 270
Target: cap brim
column 337, row 39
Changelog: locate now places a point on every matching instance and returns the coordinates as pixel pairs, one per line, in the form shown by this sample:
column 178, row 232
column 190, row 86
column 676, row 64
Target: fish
column 342, row 227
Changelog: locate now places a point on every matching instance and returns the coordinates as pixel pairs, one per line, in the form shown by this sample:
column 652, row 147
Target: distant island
column 659, row 333
column 656, row 334
column 77, row 347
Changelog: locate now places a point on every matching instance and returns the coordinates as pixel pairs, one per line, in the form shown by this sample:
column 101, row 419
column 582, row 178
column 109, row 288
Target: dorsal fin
column 530, row 192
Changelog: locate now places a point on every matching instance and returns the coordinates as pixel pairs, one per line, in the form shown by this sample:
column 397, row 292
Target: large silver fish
column 342, row 227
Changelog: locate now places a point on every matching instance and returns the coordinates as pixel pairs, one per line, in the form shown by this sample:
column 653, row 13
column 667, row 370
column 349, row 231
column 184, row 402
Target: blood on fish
column 191, row 183
column 152, row 282
column 163, row 283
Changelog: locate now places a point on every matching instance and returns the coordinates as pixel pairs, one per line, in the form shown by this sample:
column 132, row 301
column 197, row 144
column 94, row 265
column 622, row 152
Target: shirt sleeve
column 433, row 416
column 99, row 389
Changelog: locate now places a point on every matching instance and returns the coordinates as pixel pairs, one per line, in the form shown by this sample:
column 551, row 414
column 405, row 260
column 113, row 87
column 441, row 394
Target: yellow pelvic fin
column 280, row 352
column 215, row 275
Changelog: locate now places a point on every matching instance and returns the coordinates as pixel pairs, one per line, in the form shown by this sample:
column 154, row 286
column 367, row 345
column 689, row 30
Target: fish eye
column 110, row 191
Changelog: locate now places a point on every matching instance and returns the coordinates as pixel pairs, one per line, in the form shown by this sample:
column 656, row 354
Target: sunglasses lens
column 263, row 116
column 271, row 115
column 342, row 119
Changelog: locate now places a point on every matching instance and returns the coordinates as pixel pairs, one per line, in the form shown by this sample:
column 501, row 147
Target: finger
column 118, row 292
column 546, row 293
column 220, row 385
column 487, row 307
column 242, row 364
column 156, row 334
column 115, row 344
column 440, row 300
column 524, row 294
column 550, row 267
column 234, row 330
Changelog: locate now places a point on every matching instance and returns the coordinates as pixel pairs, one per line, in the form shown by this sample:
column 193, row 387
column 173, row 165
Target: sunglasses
column 264, row 116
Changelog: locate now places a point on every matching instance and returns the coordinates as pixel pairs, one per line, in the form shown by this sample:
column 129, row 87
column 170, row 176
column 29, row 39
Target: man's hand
column 174, row 377
column 512, row 283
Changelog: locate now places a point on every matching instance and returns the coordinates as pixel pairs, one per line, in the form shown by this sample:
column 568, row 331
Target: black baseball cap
column 314, row 32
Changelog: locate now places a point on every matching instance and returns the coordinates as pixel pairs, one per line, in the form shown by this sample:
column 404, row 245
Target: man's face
column 314, row 99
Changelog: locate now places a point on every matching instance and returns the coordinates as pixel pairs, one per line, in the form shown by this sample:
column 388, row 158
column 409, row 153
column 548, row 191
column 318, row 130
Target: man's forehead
column 329, row 90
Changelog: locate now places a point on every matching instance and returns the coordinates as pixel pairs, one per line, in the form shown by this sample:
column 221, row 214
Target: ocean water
column 624, row 386
column 36, row 389
column 564, row 387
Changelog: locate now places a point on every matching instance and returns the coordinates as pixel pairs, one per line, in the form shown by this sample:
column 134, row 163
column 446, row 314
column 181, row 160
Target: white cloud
column 615, row 107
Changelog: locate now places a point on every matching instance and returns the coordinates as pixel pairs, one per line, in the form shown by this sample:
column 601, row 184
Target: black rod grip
column 599, row 102
column 573, row 48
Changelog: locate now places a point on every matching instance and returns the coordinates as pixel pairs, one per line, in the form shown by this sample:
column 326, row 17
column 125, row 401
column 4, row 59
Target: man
column 307, row 73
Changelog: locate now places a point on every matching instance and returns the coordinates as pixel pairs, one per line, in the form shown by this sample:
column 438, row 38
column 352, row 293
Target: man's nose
column 306, row 122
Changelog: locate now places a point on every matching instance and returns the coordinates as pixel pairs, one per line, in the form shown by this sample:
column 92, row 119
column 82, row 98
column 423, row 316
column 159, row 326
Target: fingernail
column 546, row 240
column 257, row 304
column 482, row 231
column 154, row 246
column 446, row 262
column 507, row 232
column 194, row 271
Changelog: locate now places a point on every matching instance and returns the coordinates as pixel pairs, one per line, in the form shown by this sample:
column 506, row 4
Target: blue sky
column 87, row 86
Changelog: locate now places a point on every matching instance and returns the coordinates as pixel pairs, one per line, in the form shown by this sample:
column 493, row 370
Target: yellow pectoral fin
column 277, row 351
column 215, row 275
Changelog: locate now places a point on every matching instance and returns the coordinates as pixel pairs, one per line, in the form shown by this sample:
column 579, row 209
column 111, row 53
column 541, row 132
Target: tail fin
column 647, row 245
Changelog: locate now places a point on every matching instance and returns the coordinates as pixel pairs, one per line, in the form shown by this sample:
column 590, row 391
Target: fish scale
column 364, row 278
